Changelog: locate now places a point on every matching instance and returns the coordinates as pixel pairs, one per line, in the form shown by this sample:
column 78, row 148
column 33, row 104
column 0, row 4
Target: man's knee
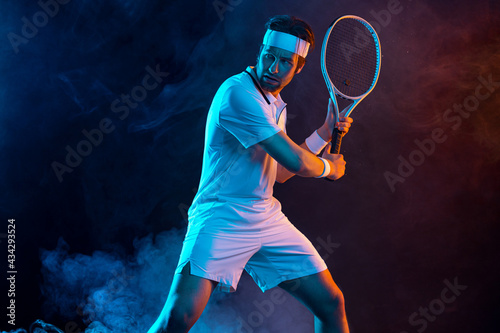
column 339, row 297
column 332, row 308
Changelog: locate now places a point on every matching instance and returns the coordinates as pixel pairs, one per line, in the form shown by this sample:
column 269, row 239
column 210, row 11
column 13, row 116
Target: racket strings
column 352, row 57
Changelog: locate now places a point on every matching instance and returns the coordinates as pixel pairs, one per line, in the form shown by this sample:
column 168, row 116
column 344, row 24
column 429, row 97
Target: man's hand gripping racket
column 350, row 62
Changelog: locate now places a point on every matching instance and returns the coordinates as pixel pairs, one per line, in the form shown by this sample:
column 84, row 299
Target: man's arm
column 298, row 160
column 283, row 174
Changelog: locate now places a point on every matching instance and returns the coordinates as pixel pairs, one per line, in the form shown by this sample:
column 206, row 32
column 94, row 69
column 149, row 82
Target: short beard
column 267, row 87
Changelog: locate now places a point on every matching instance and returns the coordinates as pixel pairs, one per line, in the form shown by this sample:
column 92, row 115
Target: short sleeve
column 245, row 117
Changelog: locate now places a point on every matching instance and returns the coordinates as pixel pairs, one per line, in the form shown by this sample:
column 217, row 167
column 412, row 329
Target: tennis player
column 235, row 223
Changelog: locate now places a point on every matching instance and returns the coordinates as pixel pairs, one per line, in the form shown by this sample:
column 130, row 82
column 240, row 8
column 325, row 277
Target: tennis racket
column 350, row 62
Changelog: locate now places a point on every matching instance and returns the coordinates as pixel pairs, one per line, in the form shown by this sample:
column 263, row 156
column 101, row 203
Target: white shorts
column 270, row 253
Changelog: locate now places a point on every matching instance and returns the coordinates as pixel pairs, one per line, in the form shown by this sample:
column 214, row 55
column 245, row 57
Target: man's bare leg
column 320, row 294
column 186, row 300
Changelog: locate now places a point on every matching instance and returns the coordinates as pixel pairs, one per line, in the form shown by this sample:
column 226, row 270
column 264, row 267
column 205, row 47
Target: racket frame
column 333, row 91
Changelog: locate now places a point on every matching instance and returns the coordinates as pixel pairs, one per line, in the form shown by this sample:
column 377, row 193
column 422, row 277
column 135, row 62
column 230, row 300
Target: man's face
column 276, row 68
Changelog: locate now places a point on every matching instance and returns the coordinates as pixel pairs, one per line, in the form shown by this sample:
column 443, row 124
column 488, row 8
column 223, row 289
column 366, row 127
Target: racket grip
column 336, row 141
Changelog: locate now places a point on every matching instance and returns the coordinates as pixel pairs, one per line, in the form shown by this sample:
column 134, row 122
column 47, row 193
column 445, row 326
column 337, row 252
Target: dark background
column 98, row 246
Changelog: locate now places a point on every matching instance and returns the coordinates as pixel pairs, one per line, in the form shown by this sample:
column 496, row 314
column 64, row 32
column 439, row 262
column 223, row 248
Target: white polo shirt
column 237, row 174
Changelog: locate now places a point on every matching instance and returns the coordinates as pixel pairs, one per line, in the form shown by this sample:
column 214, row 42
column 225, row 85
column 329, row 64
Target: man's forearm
column 282, row 173
column 297, row 160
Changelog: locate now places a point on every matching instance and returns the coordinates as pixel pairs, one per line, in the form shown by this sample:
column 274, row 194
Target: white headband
column 286, row 42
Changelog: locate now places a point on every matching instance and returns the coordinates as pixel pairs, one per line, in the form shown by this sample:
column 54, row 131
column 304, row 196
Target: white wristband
column 315, row 143
column 326, row 170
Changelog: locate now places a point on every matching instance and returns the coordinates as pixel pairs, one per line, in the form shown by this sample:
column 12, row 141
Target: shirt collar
column 270, row 97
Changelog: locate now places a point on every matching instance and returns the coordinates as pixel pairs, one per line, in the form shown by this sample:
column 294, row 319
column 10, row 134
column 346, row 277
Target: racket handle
column 336, row 141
